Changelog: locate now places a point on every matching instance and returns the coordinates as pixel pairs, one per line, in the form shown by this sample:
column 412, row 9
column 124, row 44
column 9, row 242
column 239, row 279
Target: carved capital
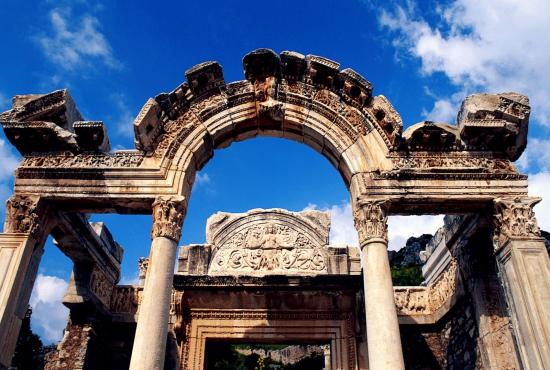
column 514, row 218
column 168, row 214
column 371, row 220
column 22, row 216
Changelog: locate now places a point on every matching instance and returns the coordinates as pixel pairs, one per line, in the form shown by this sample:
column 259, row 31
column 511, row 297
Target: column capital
column 371, row 220
column 168, row 215
column 514, row 217
column 22, row 216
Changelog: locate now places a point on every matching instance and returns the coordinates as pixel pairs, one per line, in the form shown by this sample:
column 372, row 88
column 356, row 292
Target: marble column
column 383, row 339
column 152, row 326
column 21, row 248
column 524, row 269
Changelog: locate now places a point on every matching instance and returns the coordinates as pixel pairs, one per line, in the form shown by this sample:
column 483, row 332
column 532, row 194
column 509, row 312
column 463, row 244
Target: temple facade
column 270, row 276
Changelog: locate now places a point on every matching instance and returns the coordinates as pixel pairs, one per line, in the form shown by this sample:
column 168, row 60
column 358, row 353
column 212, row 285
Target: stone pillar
column 21, row 247
column 152, row 327
column 524, row 269
column 383, row 339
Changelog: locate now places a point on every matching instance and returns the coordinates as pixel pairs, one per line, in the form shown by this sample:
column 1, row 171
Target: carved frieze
column 121, row 159
column 22, row 216
column 101, row 286
column 125, row 299
column 168, row 214
column 514, row 218
column 274, row 241
column 269, row 247
column 428, row 300
column 450, row 165
column 370, row 219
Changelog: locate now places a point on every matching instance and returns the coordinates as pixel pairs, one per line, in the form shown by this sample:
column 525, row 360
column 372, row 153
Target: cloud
column 9, row 163
column 538, row 186
column 123, row 118
column 76, row 42
column 400, row 228
column 49, row 316
column 5, row 102
column 481, row 45
column 202, row 178
column 536, row 156
column 444, row 110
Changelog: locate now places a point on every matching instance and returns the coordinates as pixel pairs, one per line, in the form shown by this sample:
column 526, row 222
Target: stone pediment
column 267, row 242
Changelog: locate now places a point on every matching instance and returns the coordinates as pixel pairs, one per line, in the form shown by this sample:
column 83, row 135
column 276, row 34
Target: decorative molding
column 120, row 159
column 514, row 218
column 101, row 286
column 168, row 214
column 371, row 220
column 428, row 300
column 22, row 216
column 125, row 299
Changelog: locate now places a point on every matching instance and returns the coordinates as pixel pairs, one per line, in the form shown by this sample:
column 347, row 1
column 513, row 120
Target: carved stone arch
column 306, row 99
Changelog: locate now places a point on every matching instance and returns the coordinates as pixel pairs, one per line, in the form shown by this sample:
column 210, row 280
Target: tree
column 28, row 352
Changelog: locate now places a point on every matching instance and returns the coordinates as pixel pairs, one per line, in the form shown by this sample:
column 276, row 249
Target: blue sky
column 424, row 56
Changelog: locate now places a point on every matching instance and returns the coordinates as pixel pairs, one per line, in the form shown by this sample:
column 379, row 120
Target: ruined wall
column 450, row 344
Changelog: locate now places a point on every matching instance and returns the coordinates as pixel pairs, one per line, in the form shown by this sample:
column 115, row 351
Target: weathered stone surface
column 432, row 168
column 57, row 107
column 262, row 242
column 495, row 121
column 91, row 136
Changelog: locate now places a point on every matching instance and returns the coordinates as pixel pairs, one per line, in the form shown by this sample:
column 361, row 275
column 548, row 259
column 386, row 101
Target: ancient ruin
column 271, row 275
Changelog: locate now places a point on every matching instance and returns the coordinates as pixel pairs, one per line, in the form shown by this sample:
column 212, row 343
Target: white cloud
column 444, row 110
column 202, row 178
column 538, row 186
column 536, row 156
column 49, row 316
column 9, row 163
column 400, row 228
column 5, row 102
column 482, row 45
column 123, row 117
column 76, row 41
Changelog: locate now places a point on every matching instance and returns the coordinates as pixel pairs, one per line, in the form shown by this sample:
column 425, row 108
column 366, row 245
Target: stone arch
column 306, row 99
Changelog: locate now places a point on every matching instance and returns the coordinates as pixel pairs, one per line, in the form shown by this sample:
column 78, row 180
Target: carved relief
column 370, row 219
column 116, row 160
column 125, row 299
column 514, row 218
column 427, row 300
column 168, row 214
column 269, row 247
column 101, row 286
column 22, row 216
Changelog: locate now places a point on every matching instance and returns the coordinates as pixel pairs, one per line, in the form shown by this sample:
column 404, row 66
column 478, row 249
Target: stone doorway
column 222, row 355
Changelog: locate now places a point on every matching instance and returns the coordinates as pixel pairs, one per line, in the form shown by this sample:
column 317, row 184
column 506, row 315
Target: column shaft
column 383, row 338
column 149, row 348
column 21, row 247
column 152, row 327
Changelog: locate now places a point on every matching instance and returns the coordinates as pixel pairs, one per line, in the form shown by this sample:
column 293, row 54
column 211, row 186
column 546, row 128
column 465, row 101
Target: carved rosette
column 22, row 216
column 514, row 218
column 370, row 219
column 168, row 214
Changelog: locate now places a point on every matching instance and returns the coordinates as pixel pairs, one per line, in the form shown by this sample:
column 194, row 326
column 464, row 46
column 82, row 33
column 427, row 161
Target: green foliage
column 403, row 276
column 224, row 356
column 28, row 352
